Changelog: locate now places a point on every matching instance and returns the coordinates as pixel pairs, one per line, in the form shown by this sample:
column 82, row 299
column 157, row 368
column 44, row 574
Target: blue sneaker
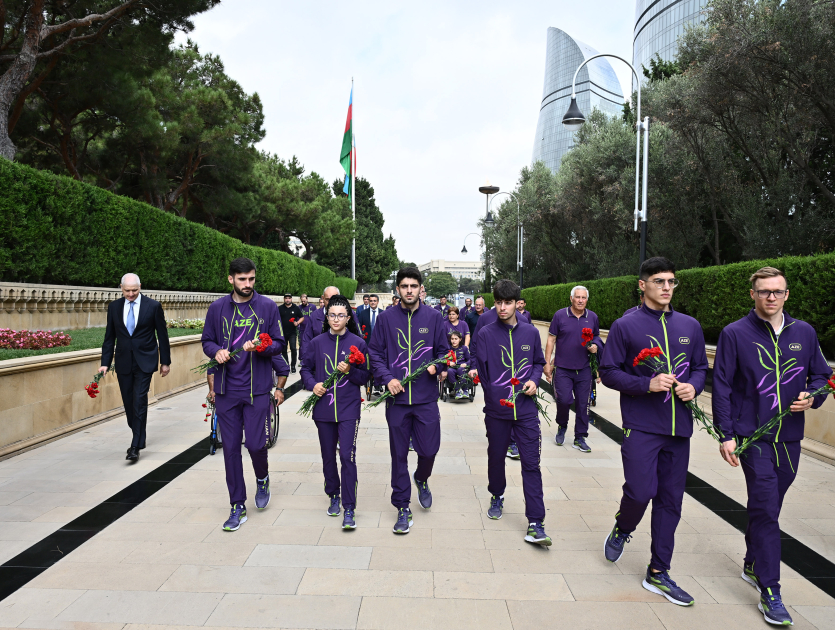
column 262, row 494
column 580, row 445
column 495, row 510
column 333, row 508
column 404, row 521
column 424, row 494
column 236, row 518
column 513, row 451
column 662, row 584
column 772, row 608
column 613, row 546
column 536, row 534
column 348, row 521
column 749, row 576
column 560, row 437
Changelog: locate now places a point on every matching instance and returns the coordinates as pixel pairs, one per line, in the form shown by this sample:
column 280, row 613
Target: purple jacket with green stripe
column 343, row 400
column 228, row 326
column 402, row 341
column 757, row 374
column 505, row 352
column 683, row 343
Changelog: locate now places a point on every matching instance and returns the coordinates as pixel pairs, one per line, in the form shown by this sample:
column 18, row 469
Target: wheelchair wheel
column 272, row 438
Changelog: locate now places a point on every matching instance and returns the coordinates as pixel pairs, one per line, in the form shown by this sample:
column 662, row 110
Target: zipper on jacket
column 335, row 359
column 669, row 367
column 513, row 368
column 776, row 341
column 410, row 355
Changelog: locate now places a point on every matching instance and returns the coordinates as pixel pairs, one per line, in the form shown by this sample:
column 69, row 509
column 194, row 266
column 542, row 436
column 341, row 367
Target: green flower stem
column 410, row 378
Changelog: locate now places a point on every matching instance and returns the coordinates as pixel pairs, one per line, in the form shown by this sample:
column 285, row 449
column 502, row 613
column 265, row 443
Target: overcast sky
column 447, row 94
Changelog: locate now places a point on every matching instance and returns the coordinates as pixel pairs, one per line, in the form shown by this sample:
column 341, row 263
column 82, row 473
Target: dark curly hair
column 341, row 300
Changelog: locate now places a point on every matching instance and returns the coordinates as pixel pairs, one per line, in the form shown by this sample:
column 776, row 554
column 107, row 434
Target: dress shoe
column 133, row 453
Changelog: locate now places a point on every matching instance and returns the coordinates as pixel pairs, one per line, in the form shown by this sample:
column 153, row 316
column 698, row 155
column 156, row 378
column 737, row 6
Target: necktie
column 373, row 318
column 131, row 325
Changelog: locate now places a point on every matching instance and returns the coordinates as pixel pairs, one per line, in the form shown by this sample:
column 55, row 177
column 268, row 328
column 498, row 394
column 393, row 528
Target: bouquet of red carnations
column 539, row 400
column 588, row 335
column 262, row 341
column 651, row 358
column 354, row 358
column 93, row 388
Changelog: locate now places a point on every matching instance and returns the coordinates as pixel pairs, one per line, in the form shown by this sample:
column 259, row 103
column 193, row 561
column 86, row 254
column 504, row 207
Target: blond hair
column 767, row 272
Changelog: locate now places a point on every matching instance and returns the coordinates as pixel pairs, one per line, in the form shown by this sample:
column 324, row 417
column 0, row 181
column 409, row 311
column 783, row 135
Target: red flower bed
column 32, row 339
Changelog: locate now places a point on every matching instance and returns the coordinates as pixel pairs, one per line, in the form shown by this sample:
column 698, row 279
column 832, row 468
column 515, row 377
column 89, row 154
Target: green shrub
column 716, row 296
column 346, row 286
column 488, row 300
column 56, row 230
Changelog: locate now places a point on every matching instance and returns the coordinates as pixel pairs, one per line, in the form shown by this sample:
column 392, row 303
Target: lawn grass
column 82, row 339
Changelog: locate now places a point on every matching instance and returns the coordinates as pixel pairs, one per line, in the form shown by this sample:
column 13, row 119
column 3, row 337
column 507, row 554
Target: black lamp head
column 573, row 118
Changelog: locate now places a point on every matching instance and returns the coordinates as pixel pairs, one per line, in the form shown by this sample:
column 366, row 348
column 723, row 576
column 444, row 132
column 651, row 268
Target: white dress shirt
column 374, row 314
column 135, row 310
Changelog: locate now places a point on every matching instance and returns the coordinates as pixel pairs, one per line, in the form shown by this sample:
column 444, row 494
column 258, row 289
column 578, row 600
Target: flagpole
column 353, row 189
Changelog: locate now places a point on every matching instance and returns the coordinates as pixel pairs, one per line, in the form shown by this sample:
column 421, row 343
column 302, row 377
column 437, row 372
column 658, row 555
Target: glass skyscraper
column 658, row 25
column 597, row 87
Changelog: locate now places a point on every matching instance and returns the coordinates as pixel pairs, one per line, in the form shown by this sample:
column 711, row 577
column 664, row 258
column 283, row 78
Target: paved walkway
column 168, row 564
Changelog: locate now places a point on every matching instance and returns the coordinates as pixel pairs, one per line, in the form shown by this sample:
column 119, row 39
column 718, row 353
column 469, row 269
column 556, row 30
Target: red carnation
column 363, row 327
column 264, row 342
column 292, row 319
column 588, row 335
column 476, row 380
column 510, row 404
column 656, row 352
column 514, row 381
column 503, row 402
column 204, row 404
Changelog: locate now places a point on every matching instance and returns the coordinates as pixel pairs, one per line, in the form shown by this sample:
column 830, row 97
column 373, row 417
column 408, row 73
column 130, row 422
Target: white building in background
column 458, row 269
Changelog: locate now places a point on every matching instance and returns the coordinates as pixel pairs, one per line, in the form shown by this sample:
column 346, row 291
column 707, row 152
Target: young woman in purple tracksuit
column 337, row 414
column 657, row 425
column 458, row 371
column 765, row 363
column 405, row 338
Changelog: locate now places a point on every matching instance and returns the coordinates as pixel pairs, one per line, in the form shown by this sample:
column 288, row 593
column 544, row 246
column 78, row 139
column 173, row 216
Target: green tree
column 376, row 255
column 440, row 284
column 469, row 285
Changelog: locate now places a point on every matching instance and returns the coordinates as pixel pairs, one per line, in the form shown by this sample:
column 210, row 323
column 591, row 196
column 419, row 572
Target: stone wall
column 60, row 307
column 43, row 396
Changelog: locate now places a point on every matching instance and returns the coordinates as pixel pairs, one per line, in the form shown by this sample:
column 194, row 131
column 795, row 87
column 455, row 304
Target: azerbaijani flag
column 346, row 156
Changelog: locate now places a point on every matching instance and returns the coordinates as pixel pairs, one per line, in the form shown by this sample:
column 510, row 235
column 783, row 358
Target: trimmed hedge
column 56, row 230
column 488, row 300
column 716, row 296
column 346, row 286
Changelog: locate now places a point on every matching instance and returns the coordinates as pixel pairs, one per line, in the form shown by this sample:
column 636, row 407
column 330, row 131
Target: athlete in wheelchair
column 458, row 384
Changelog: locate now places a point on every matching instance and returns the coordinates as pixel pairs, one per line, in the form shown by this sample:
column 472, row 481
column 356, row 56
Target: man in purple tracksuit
column 510, row 363
column 306, row 308
column 572, row 375
column 243, row 382
column 315, row 322
column 766, row 362
column 443, row 307
column 468, row 306
column 403, row 340
column 337, row 413
column 521, row 313
column 657, row 425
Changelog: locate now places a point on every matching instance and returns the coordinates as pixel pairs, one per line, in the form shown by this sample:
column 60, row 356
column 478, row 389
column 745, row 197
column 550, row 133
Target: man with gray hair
column 137, row 323
column 572, row 376
column 316, row 321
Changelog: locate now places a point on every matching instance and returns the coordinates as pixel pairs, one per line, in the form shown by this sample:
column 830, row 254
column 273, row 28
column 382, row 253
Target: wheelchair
column 447, row 390
column 272, row 426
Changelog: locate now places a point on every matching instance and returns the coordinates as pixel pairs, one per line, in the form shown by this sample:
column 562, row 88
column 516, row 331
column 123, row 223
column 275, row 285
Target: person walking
column 442, row 307
column 306, row 308
column 765, row 363
column 243, row 382
column 366, row 302
column 291, row 318
column 367, row 320
column 572, row 376
column 316, row 320
column 136, row 327
column 337, row 414
column 468, row 306
column 395, row 300
column 471, row 318
column 521, row 312
column 657, row 425
column 510, row 364
column 404, row 339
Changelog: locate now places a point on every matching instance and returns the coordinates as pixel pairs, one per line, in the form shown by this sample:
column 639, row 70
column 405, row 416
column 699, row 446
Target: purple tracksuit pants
column 655, row 469
column 528, row 439
column 571, row 385
column 345, row 433
column 237, row 417
column 457, row 374
column 422, row 423
column 769, row 471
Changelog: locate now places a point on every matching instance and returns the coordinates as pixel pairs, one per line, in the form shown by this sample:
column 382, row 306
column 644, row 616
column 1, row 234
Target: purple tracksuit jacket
column 343, row 400
column 506, row 352
column 681, row 338
column 228, row 326
column 280, row 366
column 757, row 374
column 524, row 315
column 443, row 310
column 569, row 352
column 403, row 341
column 631, row 310
column 306, row 311
column 459, row 326
column 313, row 324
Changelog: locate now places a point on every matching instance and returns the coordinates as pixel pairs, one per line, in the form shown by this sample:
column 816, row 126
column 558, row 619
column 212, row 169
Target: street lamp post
column 520, row 235
column 574, row 118
column 488, row 223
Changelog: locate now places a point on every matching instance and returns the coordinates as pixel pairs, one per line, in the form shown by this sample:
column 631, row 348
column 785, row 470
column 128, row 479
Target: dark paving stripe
column 28, row 564
column 807, row 562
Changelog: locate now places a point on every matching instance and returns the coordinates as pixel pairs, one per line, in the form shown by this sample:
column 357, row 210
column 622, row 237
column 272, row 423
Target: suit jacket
column 144, row 347
column 364, row 319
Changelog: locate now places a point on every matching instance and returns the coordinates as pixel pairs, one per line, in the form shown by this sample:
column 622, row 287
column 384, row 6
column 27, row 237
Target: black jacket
column 142, row 346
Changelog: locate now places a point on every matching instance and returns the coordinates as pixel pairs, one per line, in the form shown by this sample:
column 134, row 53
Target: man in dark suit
column 132, row 322
column 368, row 318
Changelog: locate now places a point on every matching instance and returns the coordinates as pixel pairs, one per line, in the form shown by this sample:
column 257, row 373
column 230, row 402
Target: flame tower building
column 597, row 88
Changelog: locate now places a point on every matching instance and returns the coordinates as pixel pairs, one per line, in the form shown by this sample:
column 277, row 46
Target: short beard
column 405, row 300
column 240, row 292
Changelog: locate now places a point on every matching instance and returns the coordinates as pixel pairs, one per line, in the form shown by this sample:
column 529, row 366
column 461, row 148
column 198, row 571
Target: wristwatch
column 279, row 389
